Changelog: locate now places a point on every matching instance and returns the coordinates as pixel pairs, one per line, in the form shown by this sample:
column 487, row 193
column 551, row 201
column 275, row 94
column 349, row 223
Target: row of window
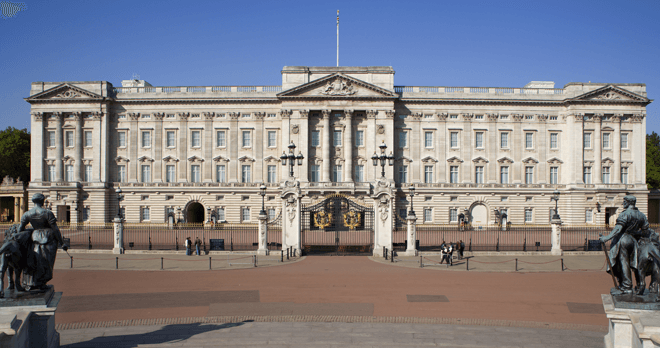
column 69, row 139
column 68, row 173
column 196, row 115
column 606, row 140
column 218, row 214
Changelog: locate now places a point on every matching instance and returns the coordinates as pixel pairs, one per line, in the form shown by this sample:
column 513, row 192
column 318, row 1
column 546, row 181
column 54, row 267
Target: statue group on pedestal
column 635, row 248
column 31, row 252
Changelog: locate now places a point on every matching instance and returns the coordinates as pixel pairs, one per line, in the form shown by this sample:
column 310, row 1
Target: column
column 467, row 148
column 37, row 146
column 158, row 147
column 233, row 175
column 78, row 155
column 59, row 147
column 133, row 165
column 325, row 177
column 490, row 175
column 516, row 145
column 616, row 150
column 556, row 237
column 263, row 234
column 597, row 171
column 571, row 171
column 182, row 149
column 17, row 210
column 286, row 139
column 441, row 149
column 258, row 148
column 348, row 146
column 304, row 145
column 541, row 144
column 412, row 236
column 371, row 143
column 209, row 134
column 98, row 156
column 637, row 141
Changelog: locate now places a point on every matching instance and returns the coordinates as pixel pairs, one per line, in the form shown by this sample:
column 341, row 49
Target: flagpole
column 338, row 38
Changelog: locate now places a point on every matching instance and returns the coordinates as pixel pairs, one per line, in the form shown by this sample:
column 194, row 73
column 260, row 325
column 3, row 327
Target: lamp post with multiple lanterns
column 292, row 158
column 383, row 158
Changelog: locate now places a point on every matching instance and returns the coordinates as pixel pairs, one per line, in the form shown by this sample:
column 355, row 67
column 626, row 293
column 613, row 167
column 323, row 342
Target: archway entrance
column 195, row 212
column 479, row 215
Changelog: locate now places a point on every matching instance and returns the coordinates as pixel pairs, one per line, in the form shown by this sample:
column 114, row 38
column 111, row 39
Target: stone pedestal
column 263, row 234
column 556, row 237
column 412, row 235
column 119, row 235
column 28, row 319
column 634, row 328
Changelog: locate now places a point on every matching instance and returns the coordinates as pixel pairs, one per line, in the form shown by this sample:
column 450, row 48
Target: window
column 528, row 215
column 51, row 138
column 359, row 173
column 403, row 174
column 146, row 214
column 271, row 214
column 529, row 175
column 221, row 214
column 336, row 139
column 85, row 213
column 606, row 140
column 145, row 116
column 624, row 175
column 529, row 140
column 88, row 138
column 624, row 140
column 453, row 117
column 170, row 171
column 337, row 175
column 479, row 140
column 453, row 139
column 170, row 116
column 428, row 174
column 272, row 139
column 453, row 215
column 246, row 138
column 403, row 139
column 359, row 138
column 146, row 139
column 316, row 138
column 171, row 139
column 196, row 138
column 220, row 138
column 68, row 172
column 503, row 199
column 51, row 173
column 220, row 175
column 428, row 139
column 121, row 173
column 587, row 140
column 195, row 173
column 428, row 216
column 69, row 138
column 453, row 174
column 272, row 174
column 271, row 115
column 504, row 140
column 504, row 175
column 554, row 175
column 245, row 115
column 314, row 173
column 587, row 175
column 479, row 174
column 553, row 140
column 121, row 139
column 245, row 214
column 606, row 175
column 146, row 173
column 88, row 173
column 246, row 173
column 589, row 216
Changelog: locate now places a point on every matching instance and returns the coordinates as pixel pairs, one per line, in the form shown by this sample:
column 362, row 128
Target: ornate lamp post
column 412, row 194
column 555, row 197
column 119, row 199
column 263, row 195
column 383, row 158
column 292, row 158
column 178, row 210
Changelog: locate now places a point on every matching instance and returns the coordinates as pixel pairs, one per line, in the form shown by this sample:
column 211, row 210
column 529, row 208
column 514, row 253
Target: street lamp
column 263, row 195
column 292, row 158
column 555, row 197
column 383, row 158
column 178, row 210
column 119, row 199
column 412, row 194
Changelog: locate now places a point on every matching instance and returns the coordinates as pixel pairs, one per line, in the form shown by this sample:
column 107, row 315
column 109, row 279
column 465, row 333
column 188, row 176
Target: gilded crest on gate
column 352, row 219
column 322, row 219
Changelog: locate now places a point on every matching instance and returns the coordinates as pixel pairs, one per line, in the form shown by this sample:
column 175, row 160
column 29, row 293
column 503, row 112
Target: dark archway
column 195, row 212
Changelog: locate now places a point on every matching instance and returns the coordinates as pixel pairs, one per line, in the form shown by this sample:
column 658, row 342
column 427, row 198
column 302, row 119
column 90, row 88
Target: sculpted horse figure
column 14, row 257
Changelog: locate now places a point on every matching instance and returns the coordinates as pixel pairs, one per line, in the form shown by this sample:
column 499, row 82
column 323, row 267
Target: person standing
column 461, row 249
column 188, row 246
column 198, row 244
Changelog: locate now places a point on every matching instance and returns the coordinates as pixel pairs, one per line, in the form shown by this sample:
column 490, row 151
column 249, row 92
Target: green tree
column 653, row 160
column 15, row 154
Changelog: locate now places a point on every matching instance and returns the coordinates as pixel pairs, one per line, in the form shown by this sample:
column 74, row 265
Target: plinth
column 27, row 319
column 634, row 321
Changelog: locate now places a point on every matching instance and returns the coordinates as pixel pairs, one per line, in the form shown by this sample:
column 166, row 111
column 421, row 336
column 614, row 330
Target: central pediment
column 338, row 86
column 64, row 92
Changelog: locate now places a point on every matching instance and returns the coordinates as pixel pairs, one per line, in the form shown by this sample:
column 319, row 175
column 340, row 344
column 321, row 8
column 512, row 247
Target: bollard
column 391, row 255
column 116, row 262
column 209, row 263
column 516, row 265
column 467, row 264
column 254, row 260
column 287, row 254
column 71, row 262
column 281, row 255
column 161, row 263
column 562, row 264
column 385, row 253
column 421, row 262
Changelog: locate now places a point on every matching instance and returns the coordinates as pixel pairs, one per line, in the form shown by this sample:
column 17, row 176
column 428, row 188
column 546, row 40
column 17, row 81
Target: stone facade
column 465, row 149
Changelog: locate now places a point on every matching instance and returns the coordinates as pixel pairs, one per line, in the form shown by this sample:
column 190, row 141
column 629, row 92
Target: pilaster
column 59, row 147
column 326, row 175
column 182, row 149
column 78, row 154
column 37, row 148
column 348, row 146
column 207, row 167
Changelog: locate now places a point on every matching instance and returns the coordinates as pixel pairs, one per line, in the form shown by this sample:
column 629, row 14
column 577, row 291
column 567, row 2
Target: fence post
column 562, row 264
column 392, row 255
column 254, row 260
column 176, row 241
column 467, row 264
column 281, row 255
column 421, row 262
column 209, row 263
column 516, row 265
column 470, row 247
column 287, row 254
column 161, row 263
column 116, row 262
column 71, row 262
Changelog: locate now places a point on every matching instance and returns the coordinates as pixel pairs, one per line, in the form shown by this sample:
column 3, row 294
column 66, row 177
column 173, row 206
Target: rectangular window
column 587, row 140
column 359, row 173
column 479, row 174
column 359, row 138
column 272, row 138
column 195, row 173
column 554, row 140
column 453, row 174
column 403, row 174
column 170, row 175
column 68, row 171
column 171, row 139
column 529, row 140
column 587, row 175
column 51, row 138
column 337, row 138
column 146, row 214
column 428, row 216
column 314, row 173
column 479, row 140
column 121, row 173
column 221, row 214
column 220, row 175
column 85, row 214
column 589, row 216
column 529, row 175
column 528, row 215
column 504, row 140
column 245, row 214
column 121, row 139
column 453, row 139
column 146, row 139
column 51, row 173
column 624, row 140
column 606, row 140
column 246, row 175
column 606, row 175
column 453, row 215
column 146, row 173
column 428, row 174
column 88, row 138
column 504, row 175
column 88, row 173
column 246, row 138
column 220, row 138
column 316, row 138
column 554, row 175
column 196, row 138
column 68, row 135
column 271, row 214
column 272, row 174
column 337, row 175
column 403, row 139
column 428, row 139
column 624, row 175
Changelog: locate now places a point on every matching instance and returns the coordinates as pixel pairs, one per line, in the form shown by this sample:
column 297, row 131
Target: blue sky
column 429, row 43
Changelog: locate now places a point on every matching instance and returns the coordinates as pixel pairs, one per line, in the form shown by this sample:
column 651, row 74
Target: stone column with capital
column 263, row 234
column 182, row 149
column 556, row 237
column 118, row 224
column 597, row 172
column 616, row 148
column 59, row 147
column 37, row 146
column 133, row 166
column 327, row 134
column 411, row 249
column 17, row 209
column 348, row 147
column 78, row 154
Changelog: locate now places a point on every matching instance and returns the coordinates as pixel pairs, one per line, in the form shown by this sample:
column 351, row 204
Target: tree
column 15, row 154
column 653, row 160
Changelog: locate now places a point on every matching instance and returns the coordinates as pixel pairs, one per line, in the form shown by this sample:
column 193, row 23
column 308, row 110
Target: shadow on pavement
column 166, row 334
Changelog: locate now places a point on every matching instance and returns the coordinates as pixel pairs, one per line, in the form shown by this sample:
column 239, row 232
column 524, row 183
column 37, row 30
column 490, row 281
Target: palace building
column 198, row 153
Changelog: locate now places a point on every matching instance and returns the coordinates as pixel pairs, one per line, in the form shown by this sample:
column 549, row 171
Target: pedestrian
column 188, row 246
column 198, row 244
column 450, row 253
column 461, row 249
column 443, row 252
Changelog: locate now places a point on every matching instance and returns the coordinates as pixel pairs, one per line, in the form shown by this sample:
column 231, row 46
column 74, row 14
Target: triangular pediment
column 64, row 92
column 610, row 94
column 338, row 86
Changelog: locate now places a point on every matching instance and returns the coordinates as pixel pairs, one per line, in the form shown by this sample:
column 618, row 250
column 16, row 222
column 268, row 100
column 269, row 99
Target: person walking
column 450, row 253
column 188, row 246
column 461, row 249
column 198, row 244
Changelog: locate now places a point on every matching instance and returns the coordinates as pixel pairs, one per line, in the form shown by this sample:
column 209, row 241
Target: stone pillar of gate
column 556, row 237
column 383, row 215
column 263, row 234
column 118, row 224
column 411, row 249
column 291, row 227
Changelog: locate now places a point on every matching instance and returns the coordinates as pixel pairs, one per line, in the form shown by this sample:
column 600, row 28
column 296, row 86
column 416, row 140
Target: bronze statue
column 14, row 257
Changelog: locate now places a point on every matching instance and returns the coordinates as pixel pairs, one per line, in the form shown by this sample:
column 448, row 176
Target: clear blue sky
column 429, row 43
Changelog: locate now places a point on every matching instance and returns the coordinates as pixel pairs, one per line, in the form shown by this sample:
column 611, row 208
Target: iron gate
column 337, row 226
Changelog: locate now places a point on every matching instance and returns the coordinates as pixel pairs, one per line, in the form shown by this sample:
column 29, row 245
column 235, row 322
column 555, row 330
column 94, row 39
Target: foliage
column 15, row 154
column 653, row 160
